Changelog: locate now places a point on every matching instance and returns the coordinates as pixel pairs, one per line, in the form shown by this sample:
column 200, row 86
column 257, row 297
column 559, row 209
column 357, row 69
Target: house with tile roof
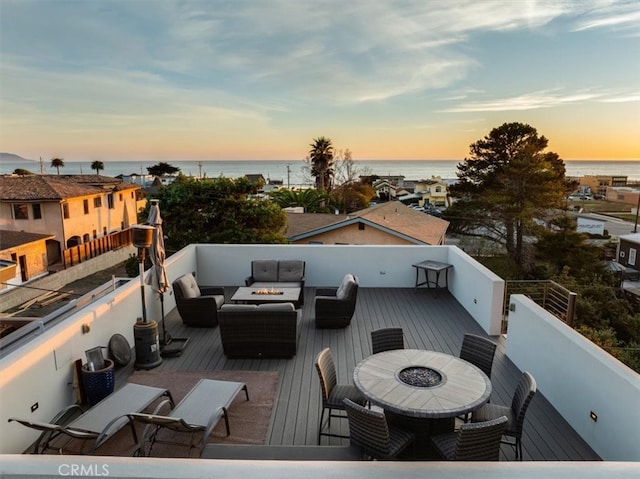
column 72, row 209
column 391, row 223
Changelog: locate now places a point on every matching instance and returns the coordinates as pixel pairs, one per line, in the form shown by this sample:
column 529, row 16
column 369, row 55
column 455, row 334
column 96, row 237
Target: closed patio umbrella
column 157, row 277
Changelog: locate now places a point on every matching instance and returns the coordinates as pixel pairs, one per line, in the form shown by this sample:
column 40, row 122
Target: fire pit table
column 249, row 295
column 422, row 390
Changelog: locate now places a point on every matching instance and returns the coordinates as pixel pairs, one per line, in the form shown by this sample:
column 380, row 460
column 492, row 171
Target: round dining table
column 422, row 390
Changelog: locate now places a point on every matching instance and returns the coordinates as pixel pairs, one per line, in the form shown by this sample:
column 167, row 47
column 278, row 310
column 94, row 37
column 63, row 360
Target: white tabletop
column 464, row 388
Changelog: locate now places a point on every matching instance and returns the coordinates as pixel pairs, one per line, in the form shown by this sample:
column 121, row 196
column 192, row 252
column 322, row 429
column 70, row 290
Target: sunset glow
column 165, row 80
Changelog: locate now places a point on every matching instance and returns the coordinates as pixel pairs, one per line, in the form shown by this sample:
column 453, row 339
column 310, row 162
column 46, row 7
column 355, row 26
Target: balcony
column 575, row 378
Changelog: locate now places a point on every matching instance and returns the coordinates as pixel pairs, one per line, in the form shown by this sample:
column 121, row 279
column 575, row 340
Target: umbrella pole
column 165, row 340
column 144, row 303
column 178, row 343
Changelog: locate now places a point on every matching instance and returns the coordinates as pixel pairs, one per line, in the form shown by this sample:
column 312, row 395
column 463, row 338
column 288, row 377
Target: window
column 37, row 212
column 120, row 196
column 65, row 211
column 95, row 234
column 20, row 212
column 110, row 201
column 632, row 257
column 85, row 204
column 97, row 202
column 361, row 226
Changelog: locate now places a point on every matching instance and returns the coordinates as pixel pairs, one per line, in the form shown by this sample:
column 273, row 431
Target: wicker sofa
column 259, row 331
column 273, row 273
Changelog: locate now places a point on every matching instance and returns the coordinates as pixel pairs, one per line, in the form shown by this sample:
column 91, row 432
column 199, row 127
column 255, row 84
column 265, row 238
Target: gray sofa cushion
column 346, row 288
column 290, row 270
column 276, row 307
column 238, row 307
column 265, row 270
column 189, row 286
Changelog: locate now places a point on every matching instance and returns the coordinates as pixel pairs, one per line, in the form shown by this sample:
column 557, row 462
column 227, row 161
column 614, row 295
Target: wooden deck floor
column 431, row 320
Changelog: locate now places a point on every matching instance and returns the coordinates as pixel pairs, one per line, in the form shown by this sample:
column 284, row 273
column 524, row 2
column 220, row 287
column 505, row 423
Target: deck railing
column 552, row 296
column 91, row 249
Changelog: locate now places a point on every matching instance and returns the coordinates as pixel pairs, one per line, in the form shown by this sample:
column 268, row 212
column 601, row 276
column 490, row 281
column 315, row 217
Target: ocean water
column 292, row 172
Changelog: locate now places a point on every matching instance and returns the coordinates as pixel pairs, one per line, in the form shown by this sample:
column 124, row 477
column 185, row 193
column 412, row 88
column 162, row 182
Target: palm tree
column 321, row 157
column 97, row 165
column 57, row 163
column 312, row 200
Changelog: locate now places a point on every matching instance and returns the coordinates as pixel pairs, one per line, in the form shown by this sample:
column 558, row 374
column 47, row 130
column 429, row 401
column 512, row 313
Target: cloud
column 527, row 101
column 624, row 17
column 332, row 51
column 252, row 58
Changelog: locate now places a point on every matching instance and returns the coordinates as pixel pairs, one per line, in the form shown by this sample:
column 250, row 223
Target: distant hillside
column 12, row 157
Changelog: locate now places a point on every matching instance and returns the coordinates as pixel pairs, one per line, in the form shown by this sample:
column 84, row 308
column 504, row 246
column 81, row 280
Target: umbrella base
column 173, row 346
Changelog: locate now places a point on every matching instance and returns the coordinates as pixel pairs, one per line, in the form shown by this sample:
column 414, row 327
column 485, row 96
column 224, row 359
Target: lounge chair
column 196, row 415
column 94, row 426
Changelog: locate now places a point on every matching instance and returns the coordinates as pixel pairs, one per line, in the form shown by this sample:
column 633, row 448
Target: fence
column 552, row 296
column 91, row 249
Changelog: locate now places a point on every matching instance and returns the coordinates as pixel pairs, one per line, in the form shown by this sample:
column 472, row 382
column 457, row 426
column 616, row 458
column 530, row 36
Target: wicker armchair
column 334, row 307
column 370, row 432
column 515, row 413
column 386, row 339
column 198, row 305
column 333, row 394
column 473, row 441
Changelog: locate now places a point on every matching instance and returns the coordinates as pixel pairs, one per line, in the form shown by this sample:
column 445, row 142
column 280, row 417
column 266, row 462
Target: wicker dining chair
column 387, row 339
column 515, row 413
column 479, row 351
column 472, row 442
column 370, row 432
column 333, row 394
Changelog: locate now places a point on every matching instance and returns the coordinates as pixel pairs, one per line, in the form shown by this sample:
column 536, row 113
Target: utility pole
column 635, row 226
column 200, row 169
column 288, row 176
column 41, row 166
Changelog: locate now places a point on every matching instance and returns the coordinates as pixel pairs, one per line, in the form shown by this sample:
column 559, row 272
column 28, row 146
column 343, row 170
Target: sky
column 261, row 79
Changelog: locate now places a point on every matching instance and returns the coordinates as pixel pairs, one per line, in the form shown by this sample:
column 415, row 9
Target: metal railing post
column 571, row 308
